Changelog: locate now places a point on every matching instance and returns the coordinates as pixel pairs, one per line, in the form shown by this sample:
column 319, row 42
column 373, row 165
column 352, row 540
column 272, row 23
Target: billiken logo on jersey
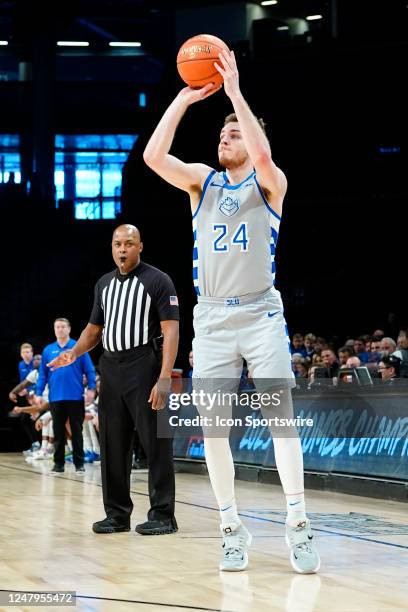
column 229, row 206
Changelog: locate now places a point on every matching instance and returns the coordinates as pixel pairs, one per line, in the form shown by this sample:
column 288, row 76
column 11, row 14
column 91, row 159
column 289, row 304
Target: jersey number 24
column 223, row 239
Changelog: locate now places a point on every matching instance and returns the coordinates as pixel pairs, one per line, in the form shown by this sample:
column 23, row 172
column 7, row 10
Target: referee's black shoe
column 58, row 469
column 110, row 525
column 157, row 527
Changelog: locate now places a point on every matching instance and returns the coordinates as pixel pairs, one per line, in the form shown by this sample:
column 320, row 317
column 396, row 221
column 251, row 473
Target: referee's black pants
column 74, row 410
column 127, row 377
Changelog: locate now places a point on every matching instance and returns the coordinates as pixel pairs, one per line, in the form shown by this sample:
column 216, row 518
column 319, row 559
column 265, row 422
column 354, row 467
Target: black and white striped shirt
column 131, row 306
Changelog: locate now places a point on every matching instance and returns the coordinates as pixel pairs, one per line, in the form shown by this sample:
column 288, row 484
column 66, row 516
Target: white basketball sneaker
column 303, row 554
column 236, row 541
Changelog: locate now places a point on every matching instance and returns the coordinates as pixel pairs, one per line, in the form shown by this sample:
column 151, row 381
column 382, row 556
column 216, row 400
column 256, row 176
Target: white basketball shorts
column 251, row 328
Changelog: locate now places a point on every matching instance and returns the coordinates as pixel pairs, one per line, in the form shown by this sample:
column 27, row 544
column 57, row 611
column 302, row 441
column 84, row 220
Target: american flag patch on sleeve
column 174, row 300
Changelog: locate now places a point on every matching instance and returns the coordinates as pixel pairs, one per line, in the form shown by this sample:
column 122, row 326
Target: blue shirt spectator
column 65, row 383
column 24, row 369
column 26, row 364
column 297, row 346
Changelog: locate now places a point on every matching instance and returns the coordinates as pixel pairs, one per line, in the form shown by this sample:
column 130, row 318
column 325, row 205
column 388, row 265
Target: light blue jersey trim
column 207, row 180
column 275, row 214
column 228, row 186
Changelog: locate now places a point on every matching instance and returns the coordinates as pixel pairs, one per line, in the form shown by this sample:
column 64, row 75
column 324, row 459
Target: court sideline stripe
column 132, row 601
column 256, row 518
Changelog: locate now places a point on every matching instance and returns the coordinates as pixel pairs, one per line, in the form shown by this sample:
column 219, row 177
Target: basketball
column 195, row 60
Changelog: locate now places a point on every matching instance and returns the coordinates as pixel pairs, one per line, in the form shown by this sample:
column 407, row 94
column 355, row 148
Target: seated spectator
column 375, row 351
column 330, row 361
column 301, row 368
column 402, row 352
column 344, row 353
column 378, row 334
column 309, row 343
column 353, row 362
column 317, row 359
column 360, row 349
column 297, row 346
column 319, row 344
column 389, row 368
column 387, row 346
column 296, row 358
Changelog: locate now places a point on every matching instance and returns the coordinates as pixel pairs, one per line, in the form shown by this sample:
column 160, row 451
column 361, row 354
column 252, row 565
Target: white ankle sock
column 229, row 514
column 296, row 509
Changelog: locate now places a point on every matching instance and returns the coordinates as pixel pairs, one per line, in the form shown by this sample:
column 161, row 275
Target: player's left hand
column 229, row 72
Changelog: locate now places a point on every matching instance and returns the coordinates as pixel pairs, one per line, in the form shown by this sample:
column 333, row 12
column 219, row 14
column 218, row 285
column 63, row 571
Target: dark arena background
column 329, row 79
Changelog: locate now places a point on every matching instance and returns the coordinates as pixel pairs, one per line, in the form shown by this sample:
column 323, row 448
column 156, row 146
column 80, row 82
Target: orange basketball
column 195, row 60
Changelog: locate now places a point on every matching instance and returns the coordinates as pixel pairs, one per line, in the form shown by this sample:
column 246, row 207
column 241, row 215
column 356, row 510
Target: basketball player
column 239, row 314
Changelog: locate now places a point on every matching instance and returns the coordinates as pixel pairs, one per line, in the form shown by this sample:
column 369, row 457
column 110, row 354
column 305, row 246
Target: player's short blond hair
column 232, row 118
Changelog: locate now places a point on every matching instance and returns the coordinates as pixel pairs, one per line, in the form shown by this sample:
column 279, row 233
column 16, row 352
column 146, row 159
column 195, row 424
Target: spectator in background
column 26, row 364
column 317, row 360
column 309, row 343
column 402, row 352
column 330, row 361
column 319, row 344
column 296, row 358
column 375, row 351
column 301, row 368
column 360, row 349
column 402, row 340
column 66, row 394
column 387, row 346
column 344, row 353
column 297, row 345
column 28, row 381
column 18, row 395
column 353, row 362
column 378, row 334
column 389, row 368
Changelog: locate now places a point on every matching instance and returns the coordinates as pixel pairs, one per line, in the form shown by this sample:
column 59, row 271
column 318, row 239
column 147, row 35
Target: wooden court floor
column 47, row 545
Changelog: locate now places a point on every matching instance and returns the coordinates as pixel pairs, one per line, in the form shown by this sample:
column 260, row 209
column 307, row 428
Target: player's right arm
column 188, row 177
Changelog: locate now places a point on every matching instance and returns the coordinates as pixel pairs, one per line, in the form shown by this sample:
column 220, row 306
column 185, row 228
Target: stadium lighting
column 3, row 43
column 72, row 43
column 314, row 17
column 283, row 28
column 125, row 44
column 269, row 2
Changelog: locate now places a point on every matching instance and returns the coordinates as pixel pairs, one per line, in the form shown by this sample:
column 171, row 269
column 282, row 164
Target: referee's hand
column 63, row 359
column 159, row 393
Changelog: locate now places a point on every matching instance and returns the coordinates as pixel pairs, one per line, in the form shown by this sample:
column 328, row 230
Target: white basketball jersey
column 235, row 235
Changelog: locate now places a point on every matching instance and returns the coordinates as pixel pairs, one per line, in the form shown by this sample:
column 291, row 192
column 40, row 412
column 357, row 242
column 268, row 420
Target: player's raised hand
column 64, row 359
column 228, row 69
column 190, row 95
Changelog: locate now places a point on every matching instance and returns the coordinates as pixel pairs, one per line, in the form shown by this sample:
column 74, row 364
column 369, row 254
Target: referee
column 133, row 307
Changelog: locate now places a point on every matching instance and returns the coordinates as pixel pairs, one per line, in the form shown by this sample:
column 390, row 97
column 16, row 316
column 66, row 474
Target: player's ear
column 141, row 247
